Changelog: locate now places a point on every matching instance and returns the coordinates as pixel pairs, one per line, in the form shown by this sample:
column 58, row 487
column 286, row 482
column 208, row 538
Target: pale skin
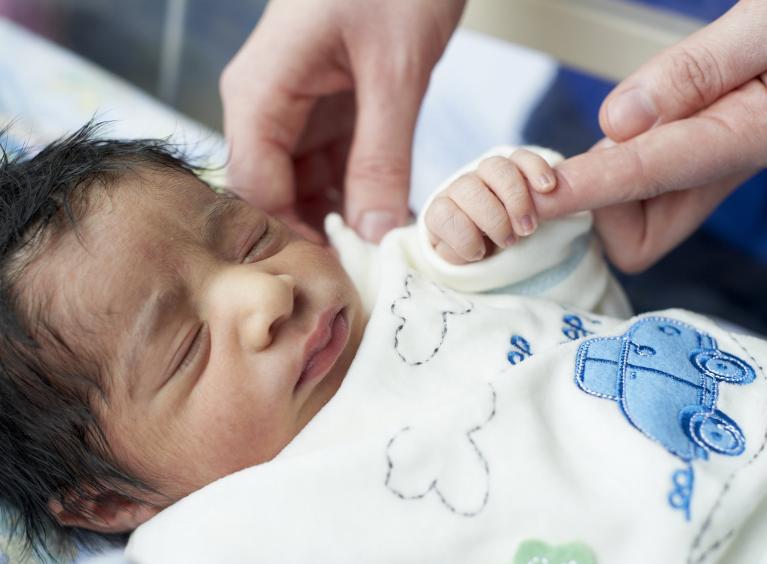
column 490, row 207
column 202, row 310
column 320, row 105
column 689, row 125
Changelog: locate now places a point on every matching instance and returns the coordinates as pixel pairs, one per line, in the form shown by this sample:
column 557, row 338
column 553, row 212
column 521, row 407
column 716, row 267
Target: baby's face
column 220, row 332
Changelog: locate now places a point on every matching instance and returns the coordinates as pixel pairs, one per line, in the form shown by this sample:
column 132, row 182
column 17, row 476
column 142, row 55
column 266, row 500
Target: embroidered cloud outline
column 424, row 311
column 424, row 460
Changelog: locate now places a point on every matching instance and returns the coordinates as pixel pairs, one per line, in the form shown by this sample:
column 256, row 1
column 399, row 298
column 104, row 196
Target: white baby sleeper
column 501, row 416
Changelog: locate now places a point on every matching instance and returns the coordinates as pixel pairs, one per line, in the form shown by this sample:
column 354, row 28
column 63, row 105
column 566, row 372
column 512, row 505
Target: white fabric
column 448, row 442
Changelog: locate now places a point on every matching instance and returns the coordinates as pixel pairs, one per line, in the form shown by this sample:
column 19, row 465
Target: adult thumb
column 378, row 172
column 690, row 75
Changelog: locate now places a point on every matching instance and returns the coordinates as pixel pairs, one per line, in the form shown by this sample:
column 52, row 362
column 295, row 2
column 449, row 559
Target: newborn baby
column 175, row 360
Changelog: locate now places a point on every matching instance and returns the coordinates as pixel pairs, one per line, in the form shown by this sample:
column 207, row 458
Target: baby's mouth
column 324, row 346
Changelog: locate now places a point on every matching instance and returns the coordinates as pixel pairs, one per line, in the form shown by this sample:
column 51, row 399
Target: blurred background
column 484, row 92
column 172, row 49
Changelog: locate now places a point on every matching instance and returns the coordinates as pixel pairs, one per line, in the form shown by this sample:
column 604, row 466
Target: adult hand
column 324, row 96
column 690, row 126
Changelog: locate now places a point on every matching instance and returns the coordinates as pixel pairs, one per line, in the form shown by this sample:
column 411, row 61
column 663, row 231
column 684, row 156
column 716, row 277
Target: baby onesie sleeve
column 561, row 261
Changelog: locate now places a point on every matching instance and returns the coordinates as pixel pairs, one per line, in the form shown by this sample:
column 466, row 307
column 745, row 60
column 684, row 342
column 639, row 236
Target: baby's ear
column 107, row 512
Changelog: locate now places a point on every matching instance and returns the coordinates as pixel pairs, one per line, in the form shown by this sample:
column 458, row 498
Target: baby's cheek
column 239, row 430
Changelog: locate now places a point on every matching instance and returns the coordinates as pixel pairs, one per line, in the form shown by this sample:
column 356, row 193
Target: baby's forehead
column 120, row 241
column 175, row 193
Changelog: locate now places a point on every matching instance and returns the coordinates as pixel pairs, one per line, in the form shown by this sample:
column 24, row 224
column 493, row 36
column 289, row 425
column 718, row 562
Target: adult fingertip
column 267, row 182
column 629, row 114
column 374, row 224
column 559, row 202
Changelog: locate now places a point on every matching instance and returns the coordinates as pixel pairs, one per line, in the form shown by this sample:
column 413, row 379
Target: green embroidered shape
column 538, row 552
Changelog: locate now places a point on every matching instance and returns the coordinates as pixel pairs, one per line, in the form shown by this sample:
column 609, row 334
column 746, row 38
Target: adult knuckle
column 400, row 66
column 635, row 256
column 752, row 122
column 696, row 75
column 628, row 257
column 378, row 168
column 644, row 183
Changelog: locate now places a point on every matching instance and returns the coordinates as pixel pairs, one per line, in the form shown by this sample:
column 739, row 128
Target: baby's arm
column 488, row 206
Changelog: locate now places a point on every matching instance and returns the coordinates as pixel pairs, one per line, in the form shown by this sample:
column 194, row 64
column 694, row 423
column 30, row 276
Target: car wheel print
column 723, row 366
column 666, row 375
column 714, row 431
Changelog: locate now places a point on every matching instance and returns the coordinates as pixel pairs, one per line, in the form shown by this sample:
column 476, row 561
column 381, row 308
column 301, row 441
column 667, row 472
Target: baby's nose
column 288, row 280
column 269, row 311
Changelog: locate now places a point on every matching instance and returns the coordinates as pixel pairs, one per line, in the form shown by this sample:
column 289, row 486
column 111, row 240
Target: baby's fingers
column 454, row 235
column 540, row 176
column 510, row 187
column 483, row 208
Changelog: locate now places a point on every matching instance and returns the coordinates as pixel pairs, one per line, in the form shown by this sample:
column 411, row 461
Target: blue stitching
column 580, row 359
column 683, row 482
column 726, row 486
column 574, row 328
column 689, row 374
column 522, row 349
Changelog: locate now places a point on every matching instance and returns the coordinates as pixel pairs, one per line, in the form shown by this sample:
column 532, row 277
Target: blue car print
column 665, row 376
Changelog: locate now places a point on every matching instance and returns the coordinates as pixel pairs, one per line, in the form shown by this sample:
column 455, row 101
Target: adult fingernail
column 631, row 113
column 511, row 240
column 527, row 225
column 374, row 224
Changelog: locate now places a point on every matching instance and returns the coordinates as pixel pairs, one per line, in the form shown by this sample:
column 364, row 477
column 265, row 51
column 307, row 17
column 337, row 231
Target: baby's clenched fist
column 489, row 206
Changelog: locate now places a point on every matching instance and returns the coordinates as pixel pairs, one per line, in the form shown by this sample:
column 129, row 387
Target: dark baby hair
column 50, row 441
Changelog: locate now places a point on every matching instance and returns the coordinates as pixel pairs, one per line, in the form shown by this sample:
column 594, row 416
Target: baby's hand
column 491, row 205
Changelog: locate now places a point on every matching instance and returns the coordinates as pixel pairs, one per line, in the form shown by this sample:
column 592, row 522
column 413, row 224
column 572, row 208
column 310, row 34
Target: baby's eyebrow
column 152, row 317
column 222, row 208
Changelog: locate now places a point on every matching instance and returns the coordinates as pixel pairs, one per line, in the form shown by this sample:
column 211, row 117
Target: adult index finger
column 726, row 138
